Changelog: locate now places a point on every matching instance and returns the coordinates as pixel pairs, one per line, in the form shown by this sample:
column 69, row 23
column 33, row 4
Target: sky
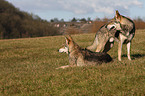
column 67, row 9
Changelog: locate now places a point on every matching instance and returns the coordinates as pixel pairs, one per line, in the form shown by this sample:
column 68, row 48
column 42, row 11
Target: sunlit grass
column 27, row 67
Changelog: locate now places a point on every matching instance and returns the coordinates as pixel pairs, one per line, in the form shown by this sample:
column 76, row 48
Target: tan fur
column 123, row 34
column 102, row 42
column 83, row 57
column 129, row 28
column 118, row 16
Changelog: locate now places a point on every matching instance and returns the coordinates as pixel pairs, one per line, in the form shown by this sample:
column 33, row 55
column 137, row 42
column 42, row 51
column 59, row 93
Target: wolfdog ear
column 117, row 14
column 67, row 40
column 69, row 37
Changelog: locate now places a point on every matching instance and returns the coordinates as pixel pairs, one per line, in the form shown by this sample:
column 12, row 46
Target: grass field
column 27, row 68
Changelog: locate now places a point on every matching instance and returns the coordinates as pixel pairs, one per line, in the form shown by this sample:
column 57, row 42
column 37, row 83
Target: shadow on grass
column 134, row 56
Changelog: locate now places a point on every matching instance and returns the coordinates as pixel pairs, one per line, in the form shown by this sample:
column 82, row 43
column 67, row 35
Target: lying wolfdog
column 82, row 57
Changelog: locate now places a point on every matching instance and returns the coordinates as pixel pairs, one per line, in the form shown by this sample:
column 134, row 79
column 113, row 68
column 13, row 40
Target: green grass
column 27, row 68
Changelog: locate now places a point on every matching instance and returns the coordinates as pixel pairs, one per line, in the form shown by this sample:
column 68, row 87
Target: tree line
column 19, row 24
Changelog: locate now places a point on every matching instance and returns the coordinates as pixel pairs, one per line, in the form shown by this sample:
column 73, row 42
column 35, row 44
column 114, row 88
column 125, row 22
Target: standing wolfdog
column 121, row 29
column 128, row 27
column 82, row 57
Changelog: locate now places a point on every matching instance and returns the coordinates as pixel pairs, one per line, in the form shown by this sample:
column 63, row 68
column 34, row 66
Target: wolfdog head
column 68, row 46
column 114, row 25
column 63, row 50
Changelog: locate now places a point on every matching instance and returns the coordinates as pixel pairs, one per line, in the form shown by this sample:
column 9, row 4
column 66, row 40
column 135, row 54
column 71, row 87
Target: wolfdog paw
column 62, row 67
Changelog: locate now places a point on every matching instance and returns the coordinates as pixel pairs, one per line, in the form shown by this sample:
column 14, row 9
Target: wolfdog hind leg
column 99, row 48
column 128, row 50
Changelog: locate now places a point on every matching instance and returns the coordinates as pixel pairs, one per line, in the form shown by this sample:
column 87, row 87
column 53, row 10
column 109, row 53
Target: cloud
column 76, row 6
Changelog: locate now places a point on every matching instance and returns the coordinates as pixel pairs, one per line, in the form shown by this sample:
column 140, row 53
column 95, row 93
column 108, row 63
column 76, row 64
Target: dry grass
column 28, row 68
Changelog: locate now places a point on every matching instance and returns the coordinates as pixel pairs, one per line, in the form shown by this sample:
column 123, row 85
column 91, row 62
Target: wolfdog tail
column 93, row 47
